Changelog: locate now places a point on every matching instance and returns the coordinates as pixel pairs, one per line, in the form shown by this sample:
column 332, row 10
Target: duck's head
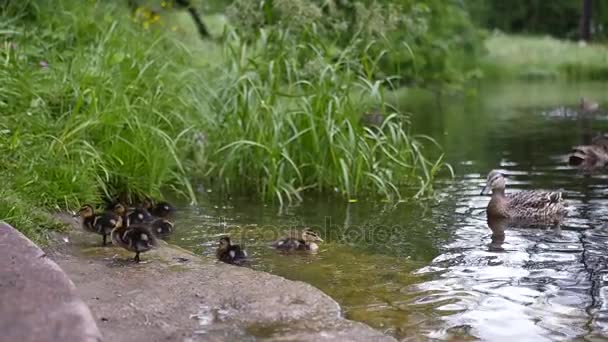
column 310, row 236
column 119, row 209
column 86, row 211
column 224, row 242
column 495, row 181
column 147, row 203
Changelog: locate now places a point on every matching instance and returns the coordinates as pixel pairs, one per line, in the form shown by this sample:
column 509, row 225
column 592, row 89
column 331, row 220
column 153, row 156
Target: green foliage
column 96, row 102
column 543, row 58
column 20, row 214
column 91, row 106
column 559, row 18
column 419, row 42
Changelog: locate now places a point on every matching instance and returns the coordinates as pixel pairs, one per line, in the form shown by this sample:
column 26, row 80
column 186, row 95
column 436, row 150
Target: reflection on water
column 440, row 270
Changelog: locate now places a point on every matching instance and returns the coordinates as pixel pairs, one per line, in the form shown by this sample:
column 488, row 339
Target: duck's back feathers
column 536, row 205
column 162, row 227
column 135, row 238
column 289, row 243
column 139, row 215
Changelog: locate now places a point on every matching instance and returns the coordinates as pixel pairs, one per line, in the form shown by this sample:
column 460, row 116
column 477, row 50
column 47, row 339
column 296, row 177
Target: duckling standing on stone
column 101, row 224
column 229, row 253
column 524, row 205
column 134, row 238
column 303, row 241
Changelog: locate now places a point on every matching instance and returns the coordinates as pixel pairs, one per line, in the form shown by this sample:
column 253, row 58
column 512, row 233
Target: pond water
column 435, row 270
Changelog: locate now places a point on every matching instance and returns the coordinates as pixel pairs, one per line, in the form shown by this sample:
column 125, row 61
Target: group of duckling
column 135, row 229
column 138, row 228
column 304, row 240
column 545, row 206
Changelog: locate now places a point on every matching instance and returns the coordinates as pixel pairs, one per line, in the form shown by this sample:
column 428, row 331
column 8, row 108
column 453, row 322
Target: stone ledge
column 38, row 302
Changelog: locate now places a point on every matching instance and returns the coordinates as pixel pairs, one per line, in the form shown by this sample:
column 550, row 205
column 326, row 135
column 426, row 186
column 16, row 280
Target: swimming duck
column 161, row 227
column 590, row 157
column 229, row 253
column 101, row 224
column 135, row 238
column 523, row 205
column 304, row 241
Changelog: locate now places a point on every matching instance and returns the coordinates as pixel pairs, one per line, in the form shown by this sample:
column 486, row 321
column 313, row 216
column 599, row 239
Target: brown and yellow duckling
column 135, row 238
column 101, row 224
column 305, row 240
column 229, row 253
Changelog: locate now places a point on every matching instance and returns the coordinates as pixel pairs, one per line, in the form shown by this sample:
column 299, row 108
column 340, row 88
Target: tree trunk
column 585, row 23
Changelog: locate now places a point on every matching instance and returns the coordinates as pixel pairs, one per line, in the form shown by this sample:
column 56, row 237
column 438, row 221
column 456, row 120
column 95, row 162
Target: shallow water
column 435, row 270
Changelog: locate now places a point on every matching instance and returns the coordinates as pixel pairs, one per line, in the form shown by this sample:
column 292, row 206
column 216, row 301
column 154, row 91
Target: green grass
column 530, row 57
column 95, row 103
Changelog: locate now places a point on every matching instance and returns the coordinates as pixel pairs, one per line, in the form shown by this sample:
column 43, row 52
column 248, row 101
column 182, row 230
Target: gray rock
column 38, row 302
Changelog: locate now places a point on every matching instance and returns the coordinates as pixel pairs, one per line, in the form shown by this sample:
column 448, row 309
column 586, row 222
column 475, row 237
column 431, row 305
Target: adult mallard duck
column 591, row 157
column 101, row 224
column 524, row 205
column 299, row 240
column 135, row 238
column 229, row 253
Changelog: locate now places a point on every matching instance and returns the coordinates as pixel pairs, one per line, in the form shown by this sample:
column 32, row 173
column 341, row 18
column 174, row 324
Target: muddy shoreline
column 179, row 296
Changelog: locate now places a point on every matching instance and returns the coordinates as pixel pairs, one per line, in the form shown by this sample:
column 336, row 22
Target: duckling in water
column 524, row 205
column 304, row 241
column 134, row 238
column 101, row 224
column 229, row 253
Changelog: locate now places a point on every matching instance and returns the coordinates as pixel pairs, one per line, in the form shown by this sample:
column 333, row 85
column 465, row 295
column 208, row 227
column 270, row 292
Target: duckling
column 139, row 215
column 523, row 205
column 305, row 241
column 229, row 253
column 591, row 157
column 134, row 238
column 162, row 227
column 161, row 209
column 120, row 210
column 101, row 224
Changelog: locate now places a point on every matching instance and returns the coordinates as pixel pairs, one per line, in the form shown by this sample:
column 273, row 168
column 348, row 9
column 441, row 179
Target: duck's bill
column 484, row 191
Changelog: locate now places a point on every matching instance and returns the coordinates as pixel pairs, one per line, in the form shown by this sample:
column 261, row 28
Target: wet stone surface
column 177, row 296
